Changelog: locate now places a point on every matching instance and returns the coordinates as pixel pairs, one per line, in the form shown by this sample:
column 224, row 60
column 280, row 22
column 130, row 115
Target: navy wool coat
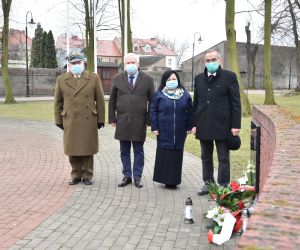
column 216, row 105
column 171, row 118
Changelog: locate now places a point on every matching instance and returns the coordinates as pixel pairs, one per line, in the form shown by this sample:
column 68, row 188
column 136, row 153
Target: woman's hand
column 155, row 132
column 193, row 130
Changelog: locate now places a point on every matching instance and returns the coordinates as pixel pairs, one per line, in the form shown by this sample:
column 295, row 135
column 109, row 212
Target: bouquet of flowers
column 229, row 200
column 233, row 197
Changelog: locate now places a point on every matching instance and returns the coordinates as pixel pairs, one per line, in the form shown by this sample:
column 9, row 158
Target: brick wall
column 275, row 223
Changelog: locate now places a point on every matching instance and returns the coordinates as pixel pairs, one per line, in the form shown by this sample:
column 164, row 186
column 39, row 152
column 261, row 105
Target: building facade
column 284, row 69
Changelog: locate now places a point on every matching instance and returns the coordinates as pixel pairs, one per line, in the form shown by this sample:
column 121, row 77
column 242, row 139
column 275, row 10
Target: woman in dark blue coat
column 170, row 117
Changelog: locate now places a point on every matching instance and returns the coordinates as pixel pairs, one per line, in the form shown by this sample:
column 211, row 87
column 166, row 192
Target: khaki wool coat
column 79, row 106
column 129, row 108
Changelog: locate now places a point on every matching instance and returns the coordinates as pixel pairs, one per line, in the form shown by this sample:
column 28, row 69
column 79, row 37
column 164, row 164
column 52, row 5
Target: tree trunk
column 129, row 34
column 232, row 54
column 296, row 39
column 298, row 67
column 89, row 34
column 121, row 5
column 269, row 94
column 9, row 97
column 253, row 66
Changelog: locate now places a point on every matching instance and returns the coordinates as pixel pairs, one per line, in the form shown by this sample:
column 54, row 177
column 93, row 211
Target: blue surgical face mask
column 131, row 69
column 77, row 69
column 172, row 84
column 212, row 67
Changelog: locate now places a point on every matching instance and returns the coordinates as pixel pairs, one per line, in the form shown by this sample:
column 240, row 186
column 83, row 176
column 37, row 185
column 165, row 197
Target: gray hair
column 132, row 55
column 213, row 50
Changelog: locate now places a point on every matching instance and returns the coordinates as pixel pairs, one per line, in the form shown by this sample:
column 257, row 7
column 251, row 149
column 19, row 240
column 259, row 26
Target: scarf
column 174, row 95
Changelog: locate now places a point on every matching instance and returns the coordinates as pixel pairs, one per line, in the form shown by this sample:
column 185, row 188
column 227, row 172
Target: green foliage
column 43, row 50
column 50, row 53
column 43, row 53
column 233, row 196
column 36, row 47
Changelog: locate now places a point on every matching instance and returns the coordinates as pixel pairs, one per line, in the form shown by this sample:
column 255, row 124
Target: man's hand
column 100, row 125
column 193, row 131
column 113, row 124
column 155, row 132
column 235, row 131
column 61, row 126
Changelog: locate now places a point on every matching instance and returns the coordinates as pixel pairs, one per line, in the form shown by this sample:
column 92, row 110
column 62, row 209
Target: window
column 169, row 62
column 105, row 75
column 158, row 49
column 135, row 48
column 147, row 48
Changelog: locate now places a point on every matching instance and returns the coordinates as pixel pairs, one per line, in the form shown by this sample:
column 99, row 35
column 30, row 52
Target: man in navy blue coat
column 216, row 114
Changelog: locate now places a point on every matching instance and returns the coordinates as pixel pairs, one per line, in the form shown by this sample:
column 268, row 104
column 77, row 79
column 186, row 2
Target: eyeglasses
column 211, row 60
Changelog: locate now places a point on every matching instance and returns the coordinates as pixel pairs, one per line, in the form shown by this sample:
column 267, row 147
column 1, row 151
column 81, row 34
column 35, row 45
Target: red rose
column 241, row 205
column 214, row 196
column 223, row 196
column 234, row 186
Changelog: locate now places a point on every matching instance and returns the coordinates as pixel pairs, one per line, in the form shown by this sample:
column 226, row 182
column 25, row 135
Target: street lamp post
column 26, row 49
column 199, row 39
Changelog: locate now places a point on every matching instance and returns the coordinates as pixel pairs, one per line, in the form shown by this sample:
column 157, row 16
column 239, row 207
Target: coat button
column 207, row 101
column 87, row 117
column 87, row 106
column 208, row 89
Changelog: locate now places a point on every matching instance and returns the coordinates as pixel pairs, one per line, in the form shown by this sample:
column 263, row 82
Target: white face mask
column 77, row 69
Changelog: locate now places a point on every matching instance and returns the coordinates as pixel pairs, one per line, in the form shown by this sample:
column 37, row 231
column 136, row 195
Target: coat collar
column 77, row 86
column 137, row 82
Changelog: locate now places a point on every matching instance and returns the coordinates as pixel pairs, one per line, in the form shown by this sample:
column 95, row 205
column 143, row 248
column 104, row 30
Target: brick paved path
column 39, row 210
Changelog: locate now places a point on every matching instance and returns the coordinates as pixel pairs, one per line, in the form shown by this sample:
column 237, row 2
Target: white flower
column 212, row 212
column 217, row 214
column 220, row 219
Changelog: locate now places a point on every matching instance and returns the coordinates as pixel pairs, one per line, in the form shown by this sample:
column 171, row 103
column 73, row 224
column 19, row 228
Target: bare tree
column 251, row 50
column 269, row 94
column 232, row 53
column 9, row 97
column 121, row 6
column 180, row 48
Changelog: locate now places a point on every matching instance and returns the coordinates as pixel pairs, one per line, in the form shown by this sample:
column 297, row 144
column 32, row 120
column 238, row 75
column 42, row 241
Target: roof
column 74, row 42
column 146, row 61
column 17, row 38
column 108, row 49
column 154, row 43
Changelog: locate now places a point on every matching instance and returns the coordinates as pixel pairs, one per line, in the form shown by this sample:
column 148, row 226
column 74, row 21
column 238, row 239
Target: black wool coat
column 216, row 105
column 129, row 108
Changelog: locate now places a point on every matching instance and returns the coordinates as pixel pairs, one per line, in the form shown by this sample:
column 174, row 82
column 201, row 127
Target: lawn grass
column 43, row 111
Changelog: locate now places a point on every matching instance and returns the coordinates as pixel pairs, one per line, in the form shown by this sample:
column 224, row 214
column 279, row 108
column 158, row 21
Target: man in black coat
column 216, row 114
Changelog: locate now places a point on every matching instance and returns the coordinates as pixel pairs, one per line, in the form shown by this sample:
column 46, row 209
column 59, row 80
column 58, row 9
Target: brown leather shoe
column 74, row 181
column 125, row 182
column 138, row 184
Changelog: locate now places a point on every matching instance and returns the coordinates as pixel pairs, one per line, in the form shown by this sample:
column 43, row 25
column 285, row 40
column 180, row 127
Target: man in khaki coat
column 79, row 109
column 129, row 101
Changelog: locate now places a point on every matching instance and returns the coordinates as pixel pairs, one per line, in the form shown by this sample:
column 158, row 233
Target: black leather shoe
column 203, row 190
column 74, row 181
column 87, row 182
column 138, row 184
column 171, row 186
column 125, row 182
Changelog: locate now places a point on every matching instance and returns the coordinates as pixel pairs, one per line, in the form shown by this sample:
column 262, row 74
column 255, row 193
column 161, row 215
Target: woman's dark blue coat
column 171, row 118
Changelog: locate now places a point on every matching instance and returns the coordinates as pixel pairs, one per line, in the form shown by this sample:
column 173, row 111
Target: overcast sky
column 173, row 19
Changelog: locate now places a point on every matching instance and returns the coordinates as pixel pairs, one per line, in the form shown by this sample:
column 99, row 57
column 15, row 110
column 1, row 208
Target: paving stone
column 101, row 216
